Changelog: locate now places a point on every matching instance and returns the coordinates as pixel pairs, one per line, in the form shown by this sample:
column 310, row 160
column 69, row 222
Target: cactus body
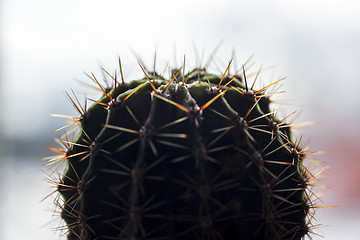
column 198, row 156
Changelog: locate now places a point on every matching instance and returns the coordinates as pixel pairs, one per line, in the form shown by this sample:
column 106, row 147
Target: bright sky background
column 46, row 44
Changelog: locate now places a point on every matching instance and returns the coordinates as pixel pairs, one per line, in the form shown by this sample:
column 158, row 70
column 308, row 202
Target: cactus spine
column 195, row 156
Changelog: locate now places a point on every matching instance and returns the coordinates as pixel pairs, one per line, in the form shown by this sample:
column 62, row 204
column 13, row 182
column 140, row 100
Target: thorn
column 113, row 78
column 235, row 76
column 223, row 76
column 250, row 110
column 65, row 126
column 246, row 86
column 132, row 92
column 304, row 124
column 74, row 104
column 121, row 71
column 103, row 90
column 213, row 100
column 171, row 81
column 152, row 85
column 100, row 103
column 179, row 106
column 256, row 77
column 264, row 88
column 183, row 75
column 121, row 129
column 237, row 90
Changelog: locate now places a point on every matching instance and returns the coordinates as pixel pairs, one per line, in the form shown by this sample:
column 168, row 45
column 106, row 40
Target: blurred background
column 47, row 45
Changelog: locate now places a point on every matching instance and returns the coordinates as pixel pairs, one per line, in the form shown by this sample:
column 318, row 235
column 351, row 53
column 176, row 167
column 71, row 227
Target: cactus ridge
column 195, row 156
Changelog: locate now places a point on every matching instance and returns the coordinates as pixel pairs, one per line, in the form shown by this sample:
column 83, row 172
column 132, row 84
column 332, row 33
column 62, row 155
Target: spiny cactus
column 195, row 156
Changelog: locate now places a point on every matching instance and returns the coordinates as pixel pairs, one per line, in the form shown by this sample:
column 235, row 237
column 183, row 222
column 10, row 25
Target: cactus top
column 197, row 156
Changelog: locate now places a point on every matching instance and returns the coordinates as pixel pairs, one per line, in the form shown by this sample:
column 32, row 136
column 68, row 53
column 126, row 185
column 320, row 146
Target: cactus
column 194, row 156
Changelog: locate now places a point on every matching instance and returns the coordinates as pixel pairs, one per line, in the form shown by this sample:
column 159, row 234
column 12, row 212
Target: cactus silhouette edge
column 191, row 156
